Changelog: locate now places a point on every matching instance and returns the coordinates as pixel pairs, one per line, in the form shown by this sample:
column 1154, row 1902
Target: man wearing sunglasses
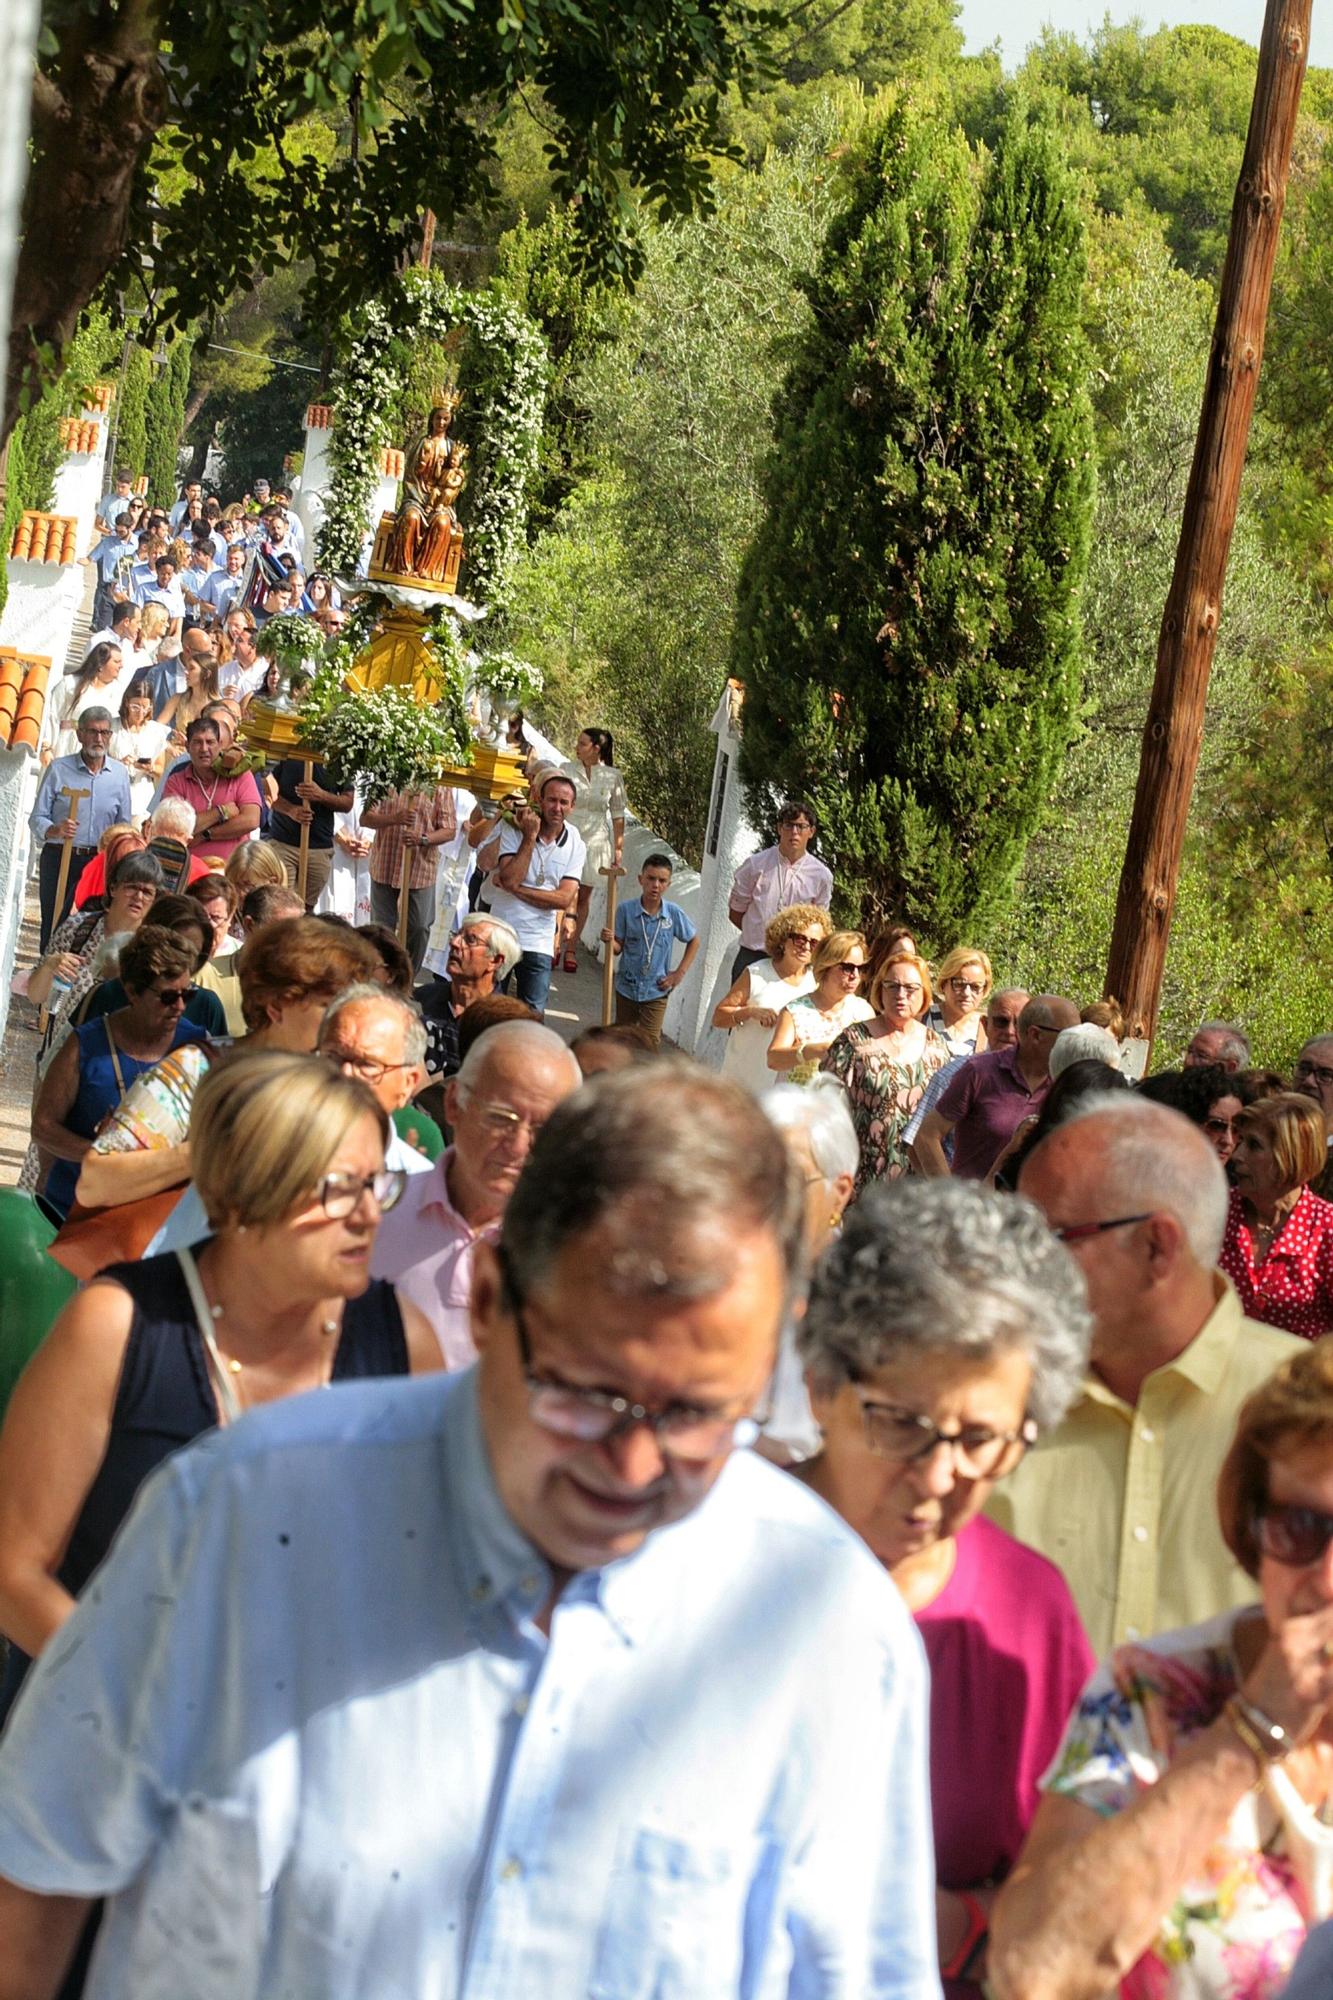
column 1120, row 1496
column 529, row 1681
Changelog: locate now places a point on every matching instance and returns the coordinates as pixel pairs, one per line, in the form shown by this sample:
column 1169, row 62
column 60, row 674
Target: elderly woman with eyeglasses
column 886, row 1063
column 289, row 1160
column 929, row 1376
column 1185, row 1841
column 749, row 1012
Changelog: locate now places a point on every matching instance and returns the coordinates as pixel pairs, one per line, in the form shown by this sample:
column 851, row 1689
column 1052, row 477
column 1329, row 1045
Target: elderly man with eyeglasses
column 1119, row 1496
column 510, row 1082
column 524, row 1680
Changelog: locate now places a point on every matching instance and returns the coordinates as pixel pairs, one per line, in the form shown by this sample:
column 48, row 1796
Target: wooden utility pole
column 1174, row 730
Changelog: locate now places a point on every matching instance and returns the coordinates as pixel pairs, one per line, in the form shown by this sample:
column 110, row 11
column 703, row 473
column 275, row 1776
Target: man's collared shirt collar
column 1203, row 1363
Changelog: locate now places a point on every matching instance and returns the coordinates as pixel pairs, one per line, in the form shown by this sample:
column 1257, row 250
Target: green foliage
column 164, row 416
column 418, row 92
column 35, row 450
column 908, row 622
column 539, row 269
column 1235, row 921
column 132, row 424
column 626, row 601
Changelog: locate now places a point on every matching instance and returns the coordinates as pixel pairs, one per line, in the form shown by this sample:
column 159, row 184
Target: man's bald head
column 1131, row 1157
column 1039, row 1024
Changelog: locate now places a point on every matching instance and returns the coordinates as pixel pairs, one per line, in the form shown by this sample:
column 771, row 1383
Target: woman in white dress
column 141, row 743
column 599, row 815
column 347, row 891
column 95, row 685
column 748, row 1014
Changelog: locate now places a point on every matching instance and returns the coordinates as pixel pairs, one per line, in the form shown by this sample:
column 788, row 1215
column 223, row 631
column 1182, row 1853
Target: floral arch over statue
column 503, row 378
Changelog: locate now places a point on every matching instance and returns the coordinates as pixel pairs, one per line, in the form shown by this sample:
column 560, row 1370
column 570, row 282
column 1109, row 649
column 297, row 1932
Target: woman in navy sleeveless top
column 288, row 1155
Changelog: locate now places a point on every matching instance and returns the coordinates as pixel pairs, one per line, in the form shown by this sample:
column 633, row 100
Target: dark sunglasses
column 1293, row 1536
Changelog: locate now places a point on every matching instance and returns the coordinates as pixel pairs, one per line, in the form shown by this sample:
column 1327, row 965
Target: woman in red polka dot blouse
column 1278, row 1247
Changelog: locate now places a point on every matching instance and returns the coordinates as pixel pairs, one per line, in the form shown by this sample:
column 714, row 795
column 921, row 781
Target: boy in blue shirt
column 646, row 929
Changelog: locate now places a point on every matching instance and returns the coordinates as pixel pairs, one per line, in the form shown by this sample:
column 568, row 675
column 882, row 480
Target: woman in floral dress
column 886, row 1063
column 1185, row 1843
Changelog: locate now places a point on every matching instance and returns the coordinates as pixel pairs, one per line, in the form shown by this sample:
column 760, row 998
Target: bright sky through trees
column 1016, row 23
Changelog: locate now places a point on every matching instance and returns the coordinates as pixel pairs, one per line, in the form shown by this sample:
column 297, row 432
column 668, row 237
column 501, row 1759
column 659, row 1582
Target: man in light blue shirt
column 78, row 798
column 514, row 1683
column 222, row 588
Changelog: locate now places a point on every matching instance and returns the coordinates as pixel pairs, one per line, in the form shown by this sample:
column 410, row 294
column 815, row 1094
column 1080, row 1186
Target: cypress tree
column 908, row 631
column 132, row 432
column 165, row 420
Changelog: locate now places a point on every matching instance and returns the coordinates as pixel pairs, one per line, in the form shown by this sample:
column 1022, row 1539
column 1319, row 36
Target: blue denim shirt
column 304, row 1733
column 648, row 941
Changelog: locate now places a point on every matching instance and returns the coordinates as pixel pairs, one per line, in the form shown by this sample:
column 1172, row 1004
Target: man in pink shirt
column 226, row 808
column 511, row 1081
column 774, row 879
column 990, row 1095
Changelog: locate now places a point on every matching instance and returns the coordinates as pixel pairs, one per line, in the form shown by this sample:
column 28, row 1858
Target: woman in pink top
column 946, row 1330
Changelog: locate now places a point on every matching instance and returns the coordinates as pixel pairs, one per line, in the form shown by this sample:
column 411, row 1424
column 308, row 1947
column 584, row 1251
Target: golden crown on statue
column 445, row 396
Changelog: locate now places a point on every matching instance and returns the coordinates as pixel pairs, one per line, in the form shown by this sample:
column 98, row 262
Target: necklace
column 208, row 797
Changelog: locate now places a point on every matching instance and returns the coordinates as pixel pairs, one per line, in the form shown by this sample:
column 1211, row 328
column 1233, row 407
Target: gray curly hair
column 948, row 1266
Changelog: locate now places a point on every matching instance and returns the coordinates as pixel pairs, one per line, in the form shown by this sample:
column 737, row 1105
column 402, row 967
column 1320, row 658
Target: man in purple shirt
column 989, row 1096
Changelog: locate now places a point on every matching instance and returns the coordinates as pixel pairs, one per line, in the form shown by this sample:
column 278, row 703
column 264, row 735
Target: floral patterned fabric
column 818, row 1026
column 883, row 1095
column 1235, row 1932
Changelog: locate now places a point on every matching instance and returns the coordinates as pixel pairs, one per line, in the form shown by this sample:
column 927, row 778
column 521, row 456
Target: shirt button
column 529, row 1583
column 511, row 1870
column 1132, row 1632
column 1140, row 1533
column 521, row 1705
column 481, row 1590
column 1148, row 1434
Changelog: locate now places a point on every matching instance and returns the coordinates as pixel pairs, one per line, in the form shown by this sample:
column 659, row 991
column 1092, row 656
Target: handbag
column 89, row 1239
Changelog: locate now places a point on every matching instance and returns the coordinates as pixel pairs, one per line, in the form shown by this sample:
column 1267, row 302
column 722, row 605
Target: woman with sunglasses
column 810, row 1024
column 96, row 1064
column 1185, row 1841
column 886, row 1061
column 929, row 1377
column 289, row 1161
column 958, row 1011
column 748, row 1013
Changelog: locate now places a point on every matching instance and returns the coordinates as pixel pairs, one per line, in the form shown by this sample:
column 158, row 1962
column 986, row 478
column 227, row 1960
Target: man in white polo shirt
column 535, row 865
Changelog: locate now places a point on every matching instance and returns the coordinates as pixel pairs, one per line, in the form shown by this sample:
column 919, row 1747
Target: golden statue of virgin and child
column 422, row 544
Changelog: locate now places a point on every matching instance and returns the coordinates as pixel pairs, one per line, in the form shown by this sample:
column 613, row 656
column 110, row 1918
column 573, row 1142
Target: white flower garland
column 506, row 377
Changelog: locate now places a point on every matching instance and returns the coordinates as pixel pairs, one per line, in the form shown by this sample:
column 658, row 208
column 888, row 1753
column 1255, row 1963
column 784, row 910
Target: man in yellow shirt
column 1122, row 1495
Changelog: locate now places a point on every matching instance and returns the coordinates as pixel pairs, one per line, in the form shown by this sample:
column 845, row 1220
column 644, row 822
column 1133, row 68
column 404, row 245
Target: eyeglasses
column 968, row 985
column 340, row 1194
column 1293, row 1536
column 1219, row 1125
column 848, row 965
column 172, row 996
column 896, row 986
column 503, row 1123
column 803, row 937
column 977, row 1451
column 1003, row 1020
column 595, row 1416
column 1077, row 1232
column 1316, row 1070
column 368, row 1067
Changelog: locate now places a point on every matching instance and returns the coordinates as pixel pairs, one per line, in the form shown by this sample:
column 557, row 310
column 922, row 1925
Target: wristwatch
column 1265, row 1739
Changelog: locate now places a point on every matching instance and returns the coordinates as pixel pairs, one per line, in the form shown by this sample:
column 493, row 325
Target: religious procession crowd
column 864, row 1525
